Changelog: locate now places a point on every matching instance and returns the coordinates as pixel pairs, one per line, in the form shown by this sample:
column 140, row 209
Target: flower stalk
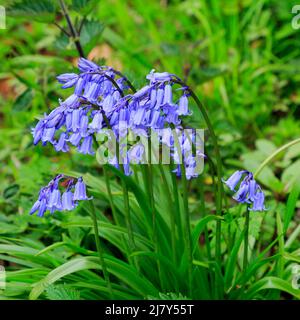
column 246, row 239
column 73, row 32
column 99, row 249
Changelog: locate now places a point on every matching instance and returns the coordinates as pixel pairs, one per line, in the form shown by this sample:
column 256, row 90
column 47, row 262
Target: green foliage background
column 242, row 59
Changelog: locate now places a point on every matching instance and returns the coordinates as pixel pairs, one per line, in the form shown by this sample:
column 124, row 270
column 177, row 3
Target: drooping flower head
column 100, row 102
column 249, row 191
column 80, row 116
column 51, row 199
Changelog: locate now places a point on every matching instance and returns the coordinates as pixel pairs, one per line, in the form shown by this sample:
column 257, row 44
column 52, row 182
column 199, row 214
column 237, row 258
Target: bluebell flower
column 183, row 106
column 54, row 202
column 86, row 146
column 136, row 153
column 158, row 76
column 75, row 139
column 68, row 202
column 61, row 145
column 80, row 191
column 85, row 65
column 242, row 193
column 234, row 180
column 51, row 199
column 258, row 202
column 249, row 190
column 97, row 122
column 67, row 79
column 48, row 134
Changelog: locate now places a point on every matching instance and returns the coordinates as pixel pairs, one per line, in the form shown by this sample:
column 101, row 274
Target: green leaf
column 61, row 41
column 23, row 101
column 41, row 11
column 271, row 283
column 232, row 261
column 11, row 191
column 69, row 267
column 34, row 61
column 291, row 206
column 84, row 6
column 199, row 228
column 91, row 31
column 265, row 146
column 291, row 175
column 62, row 292
column 118, row 268
column 168, row 296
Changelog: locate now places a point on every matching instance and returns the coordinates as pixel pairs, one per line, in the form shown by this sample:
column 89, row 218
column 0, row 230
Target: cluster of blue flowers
column 50, row 197
column 249, row 190
column 99, row 102
column 81, row 115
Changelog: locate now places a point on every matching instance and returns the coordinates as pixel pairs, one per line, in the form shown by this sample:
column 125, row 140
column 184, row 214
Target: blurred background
column 242, row 57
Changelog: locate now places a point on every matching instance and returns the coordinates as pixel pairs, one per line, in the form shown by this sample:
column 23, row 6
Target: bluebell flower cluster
column 50, row 197
column 99, row 102
column 80, row 116
column 249, row 190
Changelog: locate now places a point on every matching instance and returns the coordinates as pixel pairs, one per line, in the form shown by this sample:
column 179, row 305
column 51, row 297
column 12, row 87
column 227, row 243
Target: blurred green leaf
column 91, row 31
column 41, row 11
column 61, row 41
column 291, row 174
column 11, row 191
column 23, row 101
column 34, row 61
column 84, row 6
column 291, row 205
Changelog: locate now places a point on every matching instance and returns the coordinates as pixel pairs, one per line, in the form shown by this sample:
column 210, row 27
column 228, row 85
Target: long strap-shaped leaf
column 118, row 268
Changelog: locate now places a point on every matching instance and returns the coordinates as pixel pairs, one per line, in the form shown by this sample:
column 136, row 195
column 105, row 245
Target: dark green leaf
column 23, row 101
column 91, row 31
column 42, row 10
column 61, row 41
column 84, row 6
column 11, row 191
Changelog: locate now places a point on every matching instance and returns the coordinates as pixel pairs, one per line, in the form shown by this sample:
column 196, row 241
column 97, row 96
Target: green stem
column 99, row 249
column 219, row 174
column 149, row 173
column 219, row 167
column 246, row 239
column 176, row 204
column 125, row 193
column 73, row 32
column 273, row 155
column 127, row 215
column 172, row 214
column 110, row 198
column 187, row 227
column 187, row 233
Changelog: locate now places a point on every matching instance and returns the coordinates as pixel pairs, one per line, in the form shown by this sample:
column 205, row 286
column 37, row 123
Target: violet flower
column 249, row 190
column 50, row 197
